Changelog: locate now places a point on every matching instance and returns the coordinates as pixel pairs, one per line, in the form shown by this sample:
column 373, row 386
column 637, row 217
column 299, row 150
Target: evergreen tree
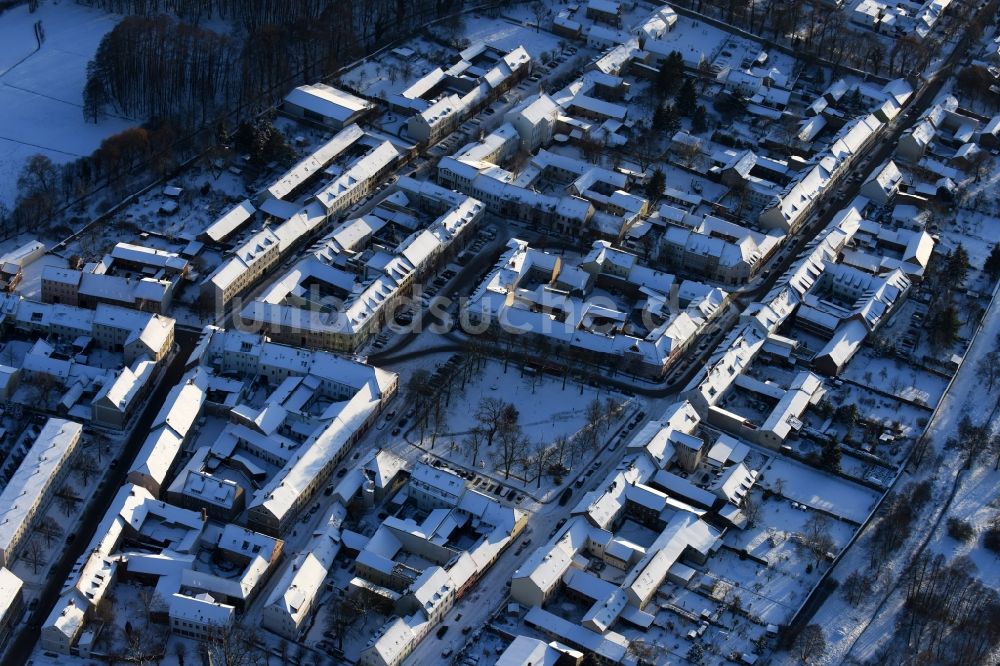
column 687, row 99
column 665, row 119
column 670, row 74
column 944, row 326
column 958, row 265
column 657, row 183
column 992, row 265
column 698, row 123
column 830, row 457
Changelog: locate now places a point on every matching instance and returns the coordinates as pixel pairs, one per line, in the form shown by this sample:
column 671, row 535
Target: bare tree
column 857, row 586
column 489, row 415
column 49, row 529
column 234, row 645
column 180, row 651
column 69, row 498
column 595, row 414
column 989, row 368
column 643, row 651
column 513, row 449
column 340, row 615
column 86, row 466
column 136, row 647
column 583, row 441
column 559, row 448
column 816, row 538
column 151, row 602
column 810, row 644
column 438, row 419
column 34, row 555
column 536, row 463
column 973, row 439
column 473, row 441
column 539, row 10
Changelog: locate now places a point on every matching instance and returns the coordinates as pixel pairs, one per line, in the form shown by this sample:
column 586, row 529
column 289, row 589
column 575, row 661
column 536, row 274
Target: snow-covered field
column 41, row 91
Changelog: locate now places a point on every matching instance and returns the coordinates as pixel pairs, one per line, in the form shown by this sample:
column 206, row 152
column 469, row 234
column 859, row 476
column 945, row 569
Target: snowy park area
column 41, row 88
column 549, row 410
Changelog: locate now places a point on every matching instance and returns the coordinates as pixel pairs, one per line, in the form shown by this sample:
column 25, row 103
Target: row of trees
column 251, row 15
column 182, row 81
column 45, row 187
column 894, row 525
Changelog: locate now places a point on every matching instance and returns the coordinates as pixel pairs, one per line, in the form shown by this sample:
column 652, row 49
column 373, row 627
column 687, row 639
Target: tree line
column 161, row 62
column 949, row 615
column 188, row 85
column 43, row 187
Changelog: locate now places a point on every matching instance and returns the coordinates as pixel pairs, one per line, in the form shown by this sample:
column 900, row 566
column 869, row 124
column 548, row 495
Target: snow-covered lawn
column 893, row 376
column 41, row 92
column 695, row 39
column 819, row 490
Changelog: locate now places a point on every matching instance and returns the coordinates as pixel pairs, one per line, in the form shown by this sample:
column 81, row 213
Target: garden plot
column 769, row 594
column 769, row 539
column 893, row 376
column 729, row 633
column 976, row 232
column 818, row 490
column 507, row 35
column 41, row 91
